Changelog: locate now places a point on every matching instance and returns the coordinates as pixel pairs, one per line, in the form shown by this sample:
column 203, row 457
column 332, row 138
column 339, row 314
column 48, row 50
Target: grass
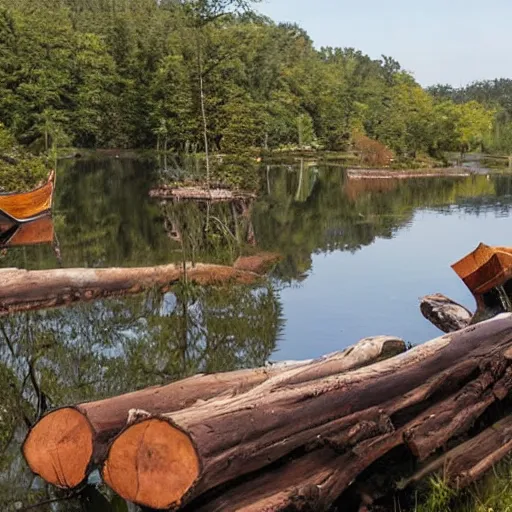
column 492, row 494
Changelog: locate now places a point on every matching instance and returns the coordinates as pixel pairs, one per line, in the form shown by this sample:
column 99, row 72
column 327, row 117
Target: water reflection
column 104, row 217
column 63, row 356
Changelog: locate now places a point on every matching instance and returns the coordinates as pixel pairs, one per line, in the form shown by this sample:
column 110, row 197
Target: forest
column 179, row 75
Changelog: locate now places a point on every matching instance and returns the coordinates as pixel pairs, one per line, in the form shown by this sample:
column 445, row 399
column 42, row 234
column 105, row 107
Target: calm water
column 357, row 256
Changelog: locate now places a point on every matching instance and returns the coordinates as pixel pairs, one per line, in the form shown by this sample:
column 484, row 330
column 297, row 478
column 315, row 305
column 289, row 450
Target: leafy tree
column 212, row 75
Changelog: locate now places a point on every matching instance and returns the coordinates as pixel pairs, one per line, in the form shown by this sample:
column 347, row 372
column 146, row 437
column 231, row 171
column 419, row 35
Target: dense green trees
column 148, row 73
column 18, row 169
column 493, row 95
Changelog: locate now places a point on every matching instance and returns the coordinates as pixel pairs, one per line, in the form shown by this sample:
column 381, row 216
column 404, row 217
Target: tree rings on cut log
column 153, row 463
column 63, row 435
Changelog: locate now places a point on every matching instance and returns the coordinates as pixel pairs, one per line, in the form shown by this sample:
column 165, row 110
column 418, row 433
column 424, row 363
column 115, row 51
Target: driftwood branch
column 445, row 313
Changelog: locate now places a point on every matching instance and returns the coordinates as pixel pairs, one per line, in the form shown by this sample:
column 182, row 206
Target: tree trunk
column 424, row 396
column 297, row 484
column 203, row 108
column 24, row 290
column 66, row 444
column 444, row 313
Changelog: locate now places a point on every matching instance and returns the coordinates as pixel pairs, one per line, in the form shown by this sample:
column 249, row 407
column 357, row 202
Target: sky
column 439, row 41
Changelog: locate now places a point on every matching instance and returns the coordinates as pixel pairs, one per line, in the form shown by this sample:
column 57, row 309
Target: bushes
column 372, row 152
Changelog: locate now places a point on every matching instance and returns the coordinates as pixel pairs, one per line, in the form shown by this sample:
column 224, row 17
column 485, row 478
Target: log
column 446, row 314
column 467, row 462
column 369, row 174
column 295, row 485
column 308, row 482
column 198, row 193
column 24, row 290
column 68, row 443
column 166, row 461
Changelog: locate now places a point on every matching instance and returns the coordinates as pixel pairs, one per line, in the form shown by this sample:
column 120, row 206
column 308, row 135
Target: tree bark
column 24, row 290
column 66, row 444
column 295, row 485
column 166, row 461
column 468, row 461
column 446, row 314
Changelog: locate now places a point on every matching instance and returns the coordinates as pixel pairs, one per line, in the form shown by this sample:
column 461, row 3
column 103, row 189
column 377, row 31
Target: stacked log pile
column 70, row 442
column 301, row 436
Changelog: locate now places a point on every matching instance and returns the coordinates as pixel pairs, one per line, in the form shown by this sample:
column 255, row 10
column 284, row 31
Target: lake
column 357, row 255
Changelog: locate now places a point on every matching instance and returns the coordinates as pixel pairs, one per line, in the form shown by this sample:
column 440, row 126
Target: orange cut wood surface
column 485, row 268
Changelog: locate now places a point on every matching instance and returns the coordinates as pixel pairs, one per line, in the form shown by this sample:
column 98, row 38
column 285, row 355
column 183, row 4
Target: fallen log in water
column 66, row 444
column 24, row 290
column 445, row 313
column 419, row 399
column 200, row 193
column 368, row 174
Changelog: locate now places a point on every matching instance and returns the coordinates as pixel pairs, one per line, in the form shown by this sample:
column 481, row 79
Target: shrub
column 372, row 152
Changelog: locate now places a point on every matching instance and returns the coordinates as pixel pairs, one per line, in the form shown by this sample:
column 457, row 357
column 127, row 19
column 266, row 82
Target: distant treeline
column 493, row 94
column 128, row 73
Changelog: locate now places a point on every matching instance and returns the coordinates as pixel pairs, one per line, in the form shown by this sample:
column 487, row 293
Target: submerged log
column 445, row 313
column 24, row 290
column 166, row 461
column 66, row 444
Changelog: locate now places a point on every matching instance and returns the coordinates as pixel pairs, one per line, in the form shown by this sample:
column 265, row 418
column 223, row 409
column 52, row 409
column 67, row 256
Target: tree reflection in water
column 104, row 217
column 62, row 356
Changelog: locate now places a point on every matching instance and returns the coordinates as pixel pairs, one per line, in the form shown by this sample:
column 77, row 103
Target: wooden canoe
column 38, row 231
column 23, row 207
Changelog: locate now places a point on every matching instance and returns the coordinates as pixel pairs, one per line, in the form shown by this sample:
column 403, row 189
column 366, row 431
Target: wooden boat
column 23, row 207
column 38, row 231
column 487, row 272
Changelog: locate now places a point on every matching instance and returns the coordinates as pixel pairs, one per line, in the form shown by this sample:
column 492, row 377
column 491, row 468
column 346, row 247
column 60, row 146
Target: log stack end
column 152, row 463
column 59, row 448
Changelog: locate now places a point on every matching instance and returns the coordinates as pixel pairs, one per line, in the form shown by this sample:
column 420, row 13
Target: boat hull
column 27, row 206
column 38, row 231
